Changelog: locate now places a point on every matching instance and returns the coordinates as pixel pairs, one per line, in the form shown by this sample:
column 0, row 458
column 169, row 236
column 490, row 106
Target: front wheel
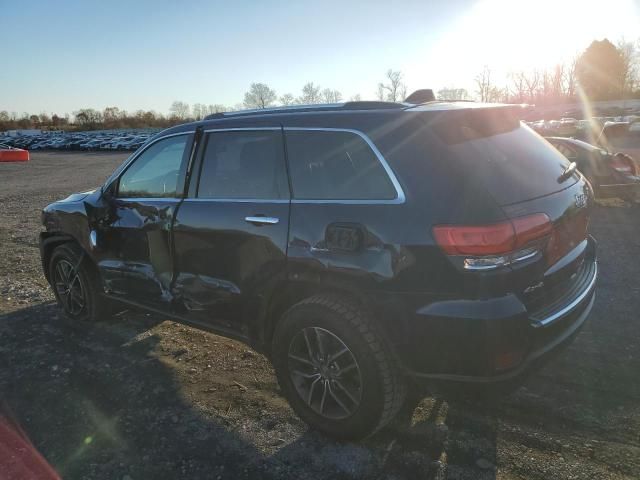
column 335, row 368
column 76, row 285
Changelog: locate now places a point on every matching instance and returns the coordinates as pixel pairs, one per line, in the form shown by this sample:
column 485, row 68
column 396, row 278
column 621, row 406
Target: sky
column 60, row 56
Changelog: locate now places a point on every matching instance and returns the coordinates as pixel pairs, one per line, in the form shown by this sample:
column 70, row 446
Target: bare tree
column 287, row 99
column 393, row 91
column 630, row 54
column 214, row 108
column 198, row 111
column 483, row 84
column 556, row 81
column 88, row 116
column 532, row 81
column 356, row 98
column 310, row 94
column 570, row 78
column 518, row 88
column 331, row 96
column 179, row 110
column 453, row 94
column 111, row 114
column 259, row 96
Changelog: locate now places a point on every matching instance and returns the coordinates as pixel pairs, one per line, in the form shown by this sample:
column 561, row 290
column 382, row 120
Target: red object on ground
column 14, row 155
column 19, row 459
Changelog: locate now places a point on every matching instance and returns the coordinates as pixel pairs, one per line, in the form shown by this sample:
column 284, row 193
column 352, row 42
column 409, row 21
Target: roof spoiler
column 421, row 96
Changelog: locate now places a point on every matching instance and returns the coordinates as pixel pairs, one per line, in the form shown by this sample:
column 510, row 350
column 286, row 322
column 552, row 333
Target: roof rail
column 372, row 105
column 360, row 105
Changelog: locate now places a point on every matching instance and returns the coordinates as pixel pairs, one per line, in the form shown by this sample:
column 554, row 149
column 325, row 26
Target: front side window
column 244, row 165
column 335, row 165
column 155, row 173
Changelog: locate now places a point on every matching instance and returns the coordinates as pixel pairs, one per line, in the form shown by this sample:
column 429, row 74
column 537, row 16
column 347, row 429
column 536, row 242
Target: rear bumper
column 495, row 340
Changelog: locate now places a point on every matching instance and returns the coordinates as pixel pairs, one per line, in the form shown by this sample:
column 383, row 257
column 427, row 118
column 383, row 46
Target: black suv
column 360, row 246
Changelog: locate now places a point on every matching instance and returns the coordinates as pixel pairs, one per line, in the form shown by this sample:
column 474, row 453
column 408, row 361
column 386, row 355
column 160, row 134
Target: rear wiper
column 567, row 172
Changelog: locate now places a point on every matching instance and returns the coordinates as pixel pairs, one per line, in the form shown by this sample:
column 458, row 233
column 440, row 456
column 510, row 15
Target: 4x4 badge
column 581, row 200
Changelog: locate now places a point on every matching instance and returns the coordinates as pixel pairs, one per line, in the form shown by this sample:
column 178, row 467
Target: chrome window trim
column 134, row 156
column 150, row 199
column 400, row 196
column 238, row 200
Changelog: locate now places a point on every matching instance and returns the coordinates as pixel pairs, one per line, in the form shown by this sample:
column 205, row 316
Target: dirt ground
column 140, row 397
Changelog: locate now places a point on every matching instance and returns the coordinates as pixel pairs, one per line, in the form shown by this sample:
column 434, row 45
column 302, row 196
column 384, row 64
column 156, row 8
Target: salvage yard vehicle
column 363, row 247
column 110, row 140
column 611, row 175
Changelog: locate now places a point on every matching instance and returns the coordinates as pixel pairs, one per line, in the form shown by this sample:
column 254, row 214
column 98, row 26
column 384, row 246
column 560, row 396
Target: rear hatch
column 528, row 178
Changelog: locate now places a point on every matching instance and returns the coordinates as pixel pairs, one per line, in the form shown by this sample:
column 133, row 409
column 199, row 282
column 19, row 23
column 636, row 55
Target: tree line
column 604, row 71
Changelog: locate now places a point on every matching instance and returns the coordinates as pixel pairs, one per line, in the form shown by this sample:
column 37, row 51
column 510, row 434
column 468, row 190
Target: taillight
column 486, row 247
column 623, row 164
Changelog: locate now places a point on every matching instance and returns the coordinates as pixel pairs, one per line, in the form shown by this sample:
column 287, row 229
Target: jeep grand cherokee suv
column 360, row 246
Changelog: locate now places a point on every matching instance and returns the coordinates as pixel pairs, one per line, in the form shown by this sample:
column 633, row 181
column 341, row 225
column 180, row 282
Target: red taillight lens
column 623, row 164
column 500, row 240
column 475, row 240
column 530, row 228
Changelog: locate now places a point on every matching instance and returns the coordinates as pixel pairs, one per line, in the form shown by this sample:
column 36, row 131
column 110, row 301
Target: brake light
column 531, row 228
column 475, row 240
column 623, row 164
column 485, row 247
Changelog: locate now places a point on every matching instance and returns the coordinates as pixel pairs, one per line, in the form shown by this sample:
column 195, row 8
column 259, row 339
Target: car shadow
column 99, row 407
column 105, row 401
column 98, row 401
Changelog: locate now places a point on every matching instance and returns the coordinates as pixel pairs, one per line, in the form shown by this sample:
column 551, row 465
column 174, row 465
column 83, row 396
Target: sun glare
column 510, row 36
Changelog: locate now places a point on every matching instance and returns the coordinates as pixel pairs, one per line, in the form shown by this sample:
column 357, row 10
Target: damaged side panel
column 133, row 250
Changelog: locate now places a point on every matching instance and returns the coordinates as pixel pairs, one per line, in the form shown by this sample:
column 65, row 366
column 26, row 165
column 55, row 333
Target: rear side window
column 244, row 164
column 335, row 165
column 512, row 161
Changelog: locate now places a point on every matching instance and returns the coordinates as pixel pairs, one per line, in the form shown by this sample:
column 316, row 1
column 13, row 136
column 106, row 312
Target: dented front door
column 136, row 262
column 133, row 233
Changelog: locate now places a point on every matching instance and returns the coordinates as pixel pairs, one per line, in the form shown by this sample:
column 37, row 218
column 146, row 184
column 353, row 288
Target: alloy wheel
column 325, row 373
column 69, row 287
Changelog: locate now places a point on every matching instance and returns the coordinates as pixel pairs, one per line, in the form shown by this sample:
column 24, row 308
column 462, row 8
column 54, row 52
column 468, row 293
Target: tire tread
column 394, row 386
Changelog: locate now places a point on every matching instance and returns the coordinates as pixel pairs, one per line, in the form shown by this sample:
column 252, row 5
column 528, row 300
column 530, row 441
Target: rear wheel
column 335, row 369
column 76, row 285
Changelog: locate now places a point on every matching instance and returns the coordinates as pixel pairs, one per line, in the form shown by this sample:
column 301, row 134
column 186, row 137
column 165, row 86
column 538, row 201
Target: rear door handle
column 262, row 220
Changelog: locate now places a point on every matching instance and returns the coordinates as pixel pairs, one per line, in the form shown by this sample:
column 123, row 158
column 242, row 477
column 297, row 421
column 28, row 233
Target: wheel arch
column 49, row 241
column 292, row 293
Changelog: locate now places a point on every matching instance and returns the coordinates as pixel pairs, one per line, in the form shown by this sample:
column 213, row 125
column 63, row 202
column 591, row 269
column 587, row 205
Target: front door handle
column 257, row 220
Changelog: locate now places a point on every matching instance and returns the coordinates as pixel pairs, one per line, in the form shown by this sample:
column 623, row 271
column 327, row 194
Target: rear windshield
column 512, row 161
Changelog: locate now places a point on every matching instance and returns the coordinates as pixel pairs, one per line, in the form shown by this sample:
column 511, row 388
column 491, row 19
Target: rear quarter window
column 335, row 165
column 512, row 161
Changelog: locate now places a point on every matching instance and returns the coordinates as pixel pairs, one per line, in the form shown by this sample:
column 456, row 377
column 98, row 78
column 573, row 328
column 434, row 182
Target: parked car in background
column 610, row 175
column 567, row 126
column 361, row 246
column 103, row 140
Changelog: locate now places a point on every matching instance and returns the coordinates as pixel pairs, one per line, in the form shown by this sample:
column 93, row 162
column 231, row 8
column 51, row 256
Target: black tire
column 382, row 388
column 85, row 280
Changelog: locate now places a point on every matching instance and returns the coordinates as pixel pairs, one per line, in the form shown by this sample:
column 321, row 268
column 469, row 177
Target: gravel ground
column 142, row 397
